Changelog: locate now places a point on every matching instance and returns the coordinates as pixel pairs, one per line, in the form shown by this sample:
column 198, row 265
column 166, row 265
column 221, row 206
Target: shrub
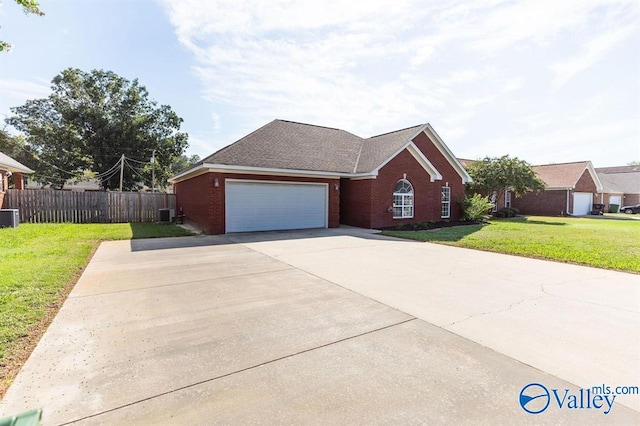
column 475, row 207
column 506, row 212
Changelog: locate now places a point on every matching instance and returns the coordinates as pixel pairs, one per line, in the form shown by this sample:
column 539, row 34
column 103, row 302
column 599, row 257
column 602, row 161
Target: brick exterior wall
column 365, row 203
column 204, row 204
column 355, row 202
column 547, row 203
column 631, row 199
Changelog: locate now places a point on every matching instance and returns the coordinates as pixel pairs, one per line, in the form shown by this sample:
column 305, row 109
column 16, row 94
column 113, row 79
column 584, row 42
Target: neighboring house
column 11, row 167
column 571, row 189
column 621, row 185
column 288, row 175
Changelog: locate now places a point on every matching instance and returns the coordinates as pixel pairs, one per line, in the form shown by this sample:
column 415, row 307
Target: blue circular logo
column 534, row 398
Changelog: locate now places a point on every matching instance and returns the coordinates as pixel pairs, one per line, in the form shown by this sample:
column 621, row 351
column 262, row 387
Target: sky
column 544, row 81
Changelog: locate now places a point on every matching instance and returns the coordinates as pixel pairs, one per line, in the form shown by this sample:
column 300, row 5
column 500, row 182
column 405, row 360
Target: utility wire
column 137, row 161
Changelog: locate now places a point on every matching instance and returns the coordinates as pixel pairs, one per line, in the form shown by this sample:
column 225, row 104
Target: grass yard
column 602, row 243
column 39, row 263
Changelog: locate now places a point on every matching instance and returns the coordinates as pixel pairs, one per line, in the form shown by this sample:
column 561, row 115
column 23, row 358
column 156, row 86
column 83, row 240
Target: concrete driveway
column 331, row 326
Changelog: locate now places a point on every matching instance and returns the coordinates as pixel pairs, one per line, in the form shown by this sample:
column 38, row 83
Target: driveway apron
column 327, row 326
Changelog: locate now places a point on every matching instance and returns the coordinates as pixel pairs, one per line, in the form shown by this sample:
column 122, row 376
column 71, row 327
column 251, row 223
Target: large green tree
column 500, row 174
column 93, row 118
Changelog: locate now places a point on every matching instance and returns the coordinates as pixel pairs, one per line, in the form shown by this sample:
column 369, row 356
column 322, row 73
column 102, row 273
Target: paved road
column 329, row 326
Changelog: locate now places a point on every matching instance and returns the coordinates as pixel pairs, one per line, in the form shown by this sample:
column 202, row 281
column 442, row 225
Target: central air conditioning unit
column 167, row 215
column 9, row 218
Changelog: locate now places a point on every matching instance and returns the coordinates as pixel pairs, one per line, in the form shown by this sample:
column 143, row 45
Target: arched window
column 403, row 200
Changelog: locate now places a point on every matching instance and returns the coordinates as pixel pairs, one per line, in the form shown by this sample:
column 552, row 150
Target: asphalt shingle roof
column 622, row 183
column 377, row 149
column 564, row 175
column 289, row 145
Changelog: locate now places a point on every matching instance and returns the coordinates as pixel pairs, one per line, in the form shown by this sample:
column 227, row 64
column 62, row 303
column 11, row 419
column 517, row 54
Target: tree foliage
column 90, row 120
column 29, row 6
column 500, row 174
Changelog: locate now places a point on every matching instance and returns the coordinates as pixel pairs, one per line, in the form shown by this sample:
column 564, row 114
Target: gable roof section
column 9, row 164
column 295, row 146
column 621, row 183
column 566, row 175
column 282, row 146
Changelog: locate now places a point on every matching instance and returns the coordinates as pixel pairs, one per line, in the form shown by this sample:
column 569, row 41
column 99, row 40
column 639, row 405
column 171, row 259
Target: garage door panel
column 582, row 203
column 256, row 206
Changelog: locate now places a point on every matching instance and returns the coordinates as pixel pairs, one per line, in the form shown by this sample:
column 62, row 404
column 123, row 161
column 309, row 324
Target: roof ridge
column 355, row 165
column 396, row 131
column 561, row 164
column 312, row 125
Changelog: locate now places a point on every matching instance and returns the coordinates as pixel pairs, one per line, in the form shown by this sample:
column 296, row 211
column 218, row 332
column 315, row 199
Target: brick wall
column 195, row 196
column 546, row 203
column 204, row 203
column 355, row 202
column 631, row 199
column 366, row 202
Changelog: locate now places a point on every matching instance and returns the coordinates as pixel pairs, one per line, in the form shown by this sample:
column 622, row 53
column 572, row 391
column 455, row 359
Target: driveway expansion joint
column 240, row 371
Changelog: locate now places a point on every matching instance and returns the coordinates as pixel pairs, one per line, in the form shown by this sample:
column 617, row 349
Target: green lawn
column 40, row 262
column 603, row 243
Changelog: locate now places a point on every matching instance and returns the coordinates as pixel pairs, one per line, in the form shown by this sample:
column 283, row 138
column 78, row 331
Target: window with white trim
column 507, row 199
column 403, row 200
column 445, row 202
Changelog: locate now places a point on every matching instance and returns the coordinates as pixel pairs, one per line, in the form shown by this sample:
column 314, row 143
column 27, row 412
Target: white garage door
column 269, row 206
column 582, row 203
column 615, row 199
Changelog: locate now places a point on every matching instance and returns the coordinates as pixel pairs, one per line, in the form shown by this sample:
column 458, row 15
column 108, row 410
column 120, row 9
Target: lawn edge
column 548, row 259
column 19, row 351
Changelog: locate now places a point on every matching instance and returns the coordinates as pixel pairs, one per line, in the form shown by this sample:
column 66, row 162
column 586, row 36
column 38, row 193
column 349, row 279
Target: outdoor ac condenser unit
column 9, row 218
column 167, row 215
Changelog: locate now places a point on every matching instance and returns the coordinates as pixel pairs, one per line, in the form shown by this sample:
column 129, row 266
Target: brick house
column 11, row 167
column 289, row 175
column 571, row 189
column 621, row 185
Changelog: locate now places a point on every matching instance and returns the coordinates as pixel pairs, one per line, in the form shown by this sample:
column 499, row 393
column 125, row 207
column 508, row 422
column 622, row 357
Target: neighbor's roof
column 288, row 145
column 565, row 175
column 618, row 169
column 9, row 164
column 621, row 183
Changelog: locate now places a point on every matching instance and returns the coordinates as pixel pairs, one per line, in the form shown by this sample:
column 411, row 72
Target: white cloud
column 594, row 51
column 371, row 67
column 23, row 90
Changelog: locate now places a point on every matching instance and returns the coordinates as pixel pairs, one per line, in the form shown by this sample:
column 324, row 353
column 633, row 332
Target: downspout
column 567, row 210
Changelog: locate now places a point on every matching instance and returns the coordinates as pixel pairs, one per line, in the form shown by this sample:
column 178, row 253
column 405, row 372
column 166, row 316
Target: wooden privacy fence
column 49, row 205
